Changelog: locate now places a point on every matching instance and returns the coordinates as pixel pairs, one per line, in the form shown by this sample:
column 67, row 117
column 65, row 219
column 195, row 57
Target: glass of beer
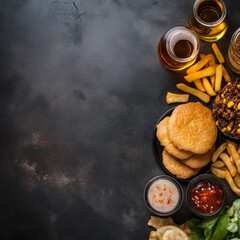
column 178, row 48
column 233, row 55
column 209, row 19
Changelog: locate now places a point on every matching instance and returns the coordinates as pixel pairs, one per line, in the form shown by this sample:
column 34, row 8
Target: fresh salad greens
column 224, row 226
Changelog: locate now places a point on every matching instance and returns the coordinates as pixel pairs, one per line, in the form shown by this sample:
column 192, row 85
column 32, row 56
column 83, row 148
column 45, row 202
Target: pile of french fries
column 226, row 164
column 199, row 74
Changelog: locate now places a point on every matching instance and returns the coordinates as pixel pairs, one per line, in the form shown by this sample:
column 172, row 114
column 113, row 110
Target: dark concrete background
column 81, row 89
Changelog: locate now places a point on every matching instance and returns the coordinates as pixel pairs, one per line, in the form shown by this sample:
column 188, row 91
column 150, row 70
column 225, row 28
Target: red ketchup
column 206, row 196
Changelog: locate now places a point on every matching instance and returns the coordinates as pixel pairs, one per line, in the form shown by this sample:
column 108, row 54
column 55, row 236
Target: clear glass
column 167, row 44
column 209, row 19
column 233, row 55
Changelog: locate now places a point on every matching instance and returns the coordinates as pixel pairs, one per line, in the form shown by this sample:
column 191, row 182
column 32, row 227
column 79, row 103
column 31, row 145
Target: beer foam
column 182, row 35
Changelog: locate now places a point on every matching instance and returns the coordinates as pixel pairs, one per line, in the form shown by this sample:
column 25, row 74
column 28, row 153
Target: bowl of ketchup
column 206, row 195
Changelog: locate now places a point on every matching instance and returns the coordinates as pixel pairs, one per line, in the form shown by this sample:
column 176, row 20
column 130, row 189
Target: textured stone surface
column 81, row 90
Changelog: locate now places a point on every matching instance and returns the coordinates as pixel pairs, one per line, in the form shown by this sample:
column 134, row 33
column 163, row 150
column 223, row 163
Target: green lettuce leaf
column 221, row 230
column 194, row 224
column 197, row 236
column 232, row 227
column 234, row 216
column 209, row 224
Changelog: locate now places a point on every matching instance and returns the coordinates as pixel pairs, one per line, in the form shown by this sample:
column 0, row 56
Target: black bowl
column 217, row 181
column 227, row 136
column 180, row 191
column 158, row 149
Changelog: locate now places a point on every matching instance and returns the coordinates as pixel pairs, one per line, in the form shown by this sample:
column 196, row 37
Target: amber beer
column 178, row 48
column 208, row 19
column 233, row 56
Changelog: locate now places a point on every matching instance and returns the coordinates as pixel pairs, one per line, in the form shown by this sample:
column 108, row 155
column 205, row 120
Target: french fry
column 238, row 149
column 230, row 165
column 200, row 64
column 225, row 74
column 218, row 53
column 212, row 61
column 203, row 96
column 237, row 180
column 201, row 57
column 228, row 151
column 206, row 72
column 224, row 168
column 176, row 98
column 213, row 77
column 233, row 143
column 218, row 164
column 218, row 152
column 234, row 155
column 231, row 183
column 231, row 160
column 208, row 87
column 218, row 80
column 199, row 85
column 218, row 172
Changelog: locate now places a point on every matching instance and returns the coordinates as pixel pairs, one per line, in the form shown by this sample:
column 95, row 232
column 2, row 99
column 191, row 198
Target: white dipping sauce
column 163, row 195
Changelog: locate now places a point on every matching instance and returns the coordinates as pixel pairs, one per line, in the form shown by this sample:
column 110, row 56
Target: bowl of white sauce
column 163, row 195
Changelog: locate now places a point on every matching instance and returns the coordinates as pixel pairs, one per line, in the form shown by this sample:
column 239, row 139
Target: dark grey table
column 81, row 89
